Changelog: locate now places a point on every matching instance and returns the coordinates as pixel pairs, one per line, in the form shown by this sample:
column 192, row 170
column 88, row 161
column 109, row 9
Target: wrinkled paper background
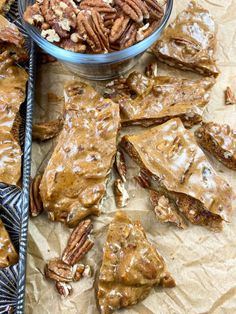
column 202, row 262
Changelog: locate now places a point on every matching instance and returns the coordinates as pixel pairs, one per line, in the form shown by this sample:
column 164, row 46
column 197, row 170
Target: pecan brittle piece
column 43, row 131
column 121, row 194
column 8, row 254
column 230, row 98
column 79, row 243
column 36, row 205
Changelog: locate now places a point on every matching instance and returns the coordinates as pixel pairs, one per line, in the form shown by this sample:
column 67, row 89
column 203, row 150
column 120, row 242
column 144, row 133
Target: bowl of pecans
column 97, row 39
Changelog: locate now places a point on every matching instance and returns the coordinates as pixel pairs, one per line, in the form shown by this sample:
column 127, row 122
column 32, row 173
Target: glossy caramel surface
column 171, row 155
column 190, row 41
column 163, row 97
column 74, row 181
column 8, row 255
column 130, row 266
column 12, row 94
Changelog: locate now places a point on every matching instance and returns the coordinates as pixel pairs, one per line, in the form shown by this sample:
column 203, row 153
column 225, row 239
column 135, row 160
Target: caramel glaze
column 190, row 41
column 131, row 266
column 12, row 94
column 156, row 100
column 74, row 180
column 220, row 141
column 8, row 255
column 170, row 155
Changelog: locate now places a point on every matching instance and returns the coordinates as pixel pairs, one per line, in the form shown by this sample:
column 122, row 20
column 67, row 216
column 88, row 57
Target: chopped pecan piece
column 121, row 165
column 79, row 243
column 59, row 271
column 165, row 210
column 229, row 97
column 33, row 15
column 146, row 30
column 151, row 70
column 46, row 130
column 64, row 289
column 121, row 194
column 36, row 205
column 73, row 46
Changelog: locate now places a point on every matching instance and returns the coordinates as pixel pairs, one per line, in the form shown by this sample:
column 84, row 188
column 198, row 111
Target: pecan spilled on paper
column 79, row 243
column 230, row 98
column 36, row 205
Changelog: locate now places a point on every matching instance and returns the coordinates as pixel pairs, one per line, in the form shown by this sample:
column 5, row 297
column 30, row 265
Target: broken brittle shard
column 189, row 43
column 12, row 40
column 131, row 266
column 74, row 181
column 13, row 81
column 220, row 141
column 170, row 156
column 8, row 255
column 150, row 101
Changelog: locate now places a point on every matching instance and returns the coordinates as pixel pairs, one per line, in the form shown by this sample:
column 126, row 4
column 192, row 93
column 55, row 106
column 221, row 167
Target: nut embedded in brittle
column 121, row 194
column 229, row 97
column 121, row 165
column 36, row 205
column 79, row 243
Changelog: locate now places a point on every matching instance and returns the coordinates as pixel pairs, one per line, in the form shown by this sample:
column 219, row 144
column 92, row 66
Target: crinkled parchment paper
column 202, row 262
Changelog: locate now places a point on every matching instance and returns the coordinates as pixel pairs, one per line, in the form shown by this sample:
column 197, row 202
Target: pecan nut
column 151, row 70
column 143, row 180
column 128, row 38
column 33, row 15
column 59, row 271
column 64, row 289
column 121, row 165
column 135, row 9
column 92, row 30
column 229, row 97
column 146, row 30
column 46, row 130
column 121, row 194
column 118, row 28
column 79, row 243
column 98, row 5
column 155, row 10
column 73, row 44
column 36, row 205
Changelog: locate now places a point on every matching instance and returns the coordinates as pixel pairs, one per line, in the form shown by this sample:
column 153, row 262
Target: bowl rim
column 102, row 58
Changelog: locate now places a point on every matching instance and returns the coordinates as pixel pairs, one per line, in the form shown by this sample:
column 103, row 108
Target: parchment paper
column 202, row 262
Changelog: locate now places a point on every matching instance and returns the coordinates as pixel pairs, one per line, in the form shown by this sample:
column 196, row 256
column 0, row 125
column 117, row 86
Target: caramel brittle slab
column 170, row 156
column 220, row 141
column 5, row 6
column 8, row 255
column 74, row 181
column 148, row 101
column 190, row 41
column 131, row 266
column 12, row 89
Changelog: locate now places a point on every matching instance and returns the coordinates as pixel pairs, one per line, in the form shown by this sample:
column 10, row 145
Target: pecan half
column 121, row 194
column 46, row 130
column 64, row 289
column 72, row 45
column 155, row 10
column 92, row 30
column 146, row 30
column 98, row 5
column 121, row 165
column 36, row 205
column 118, row 28
column 79, row 243
column 59, row 271
column 128, row 38
column 229, row 97
column 135, row 9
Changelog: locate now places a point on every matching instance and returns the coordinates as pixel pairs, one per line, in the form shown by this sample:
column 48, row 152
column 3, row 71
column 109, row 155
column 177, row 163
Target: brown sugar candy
column 8, row 255
column 170, row 156
column 189, row 43
column 220, row 141
column 131, row 266
column 149, row 101
column 74, row 181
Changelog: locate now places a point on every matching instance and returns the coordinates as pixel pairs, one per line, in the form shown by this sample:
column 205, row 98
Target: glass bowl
column 96, row 66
